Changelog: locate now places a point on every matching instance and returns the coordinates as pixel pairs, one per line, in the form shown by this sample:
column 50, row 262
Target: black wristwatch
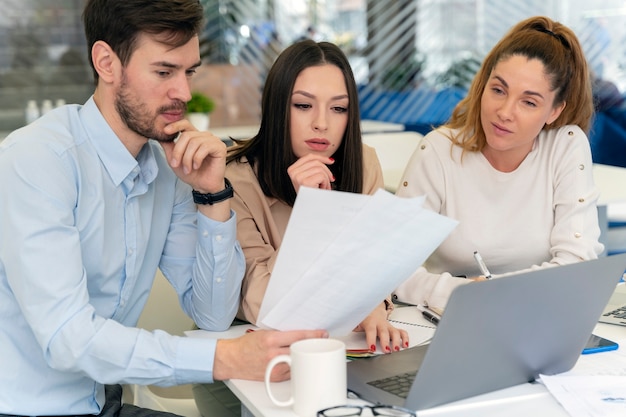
column 209, row 198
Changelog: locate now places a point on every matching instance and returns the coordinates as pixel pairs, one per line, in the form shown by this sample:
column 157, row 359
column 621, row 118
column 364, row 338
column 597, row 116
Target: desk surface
column 246, row 132
column 521, row 400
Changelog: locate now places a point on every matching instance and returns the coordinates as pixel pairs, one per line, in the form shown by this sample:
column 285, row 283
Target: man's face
column 154, row 87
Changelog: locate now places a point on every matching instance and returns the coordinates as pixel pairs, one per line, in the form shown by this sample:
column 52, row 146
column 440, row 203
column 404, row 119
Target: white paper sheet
column 342, row 254
column 587, row 396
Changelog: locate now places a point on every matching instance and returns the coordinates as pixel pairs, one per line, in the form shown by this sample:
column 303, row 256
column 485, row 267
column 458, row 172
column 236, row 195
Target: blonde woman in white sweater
column 513, row 165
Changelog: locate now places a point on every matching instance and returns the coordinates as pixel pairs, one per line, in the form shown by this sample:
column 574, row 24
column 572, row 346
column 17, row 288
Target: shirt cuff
column 226, row 230
column 194, row 360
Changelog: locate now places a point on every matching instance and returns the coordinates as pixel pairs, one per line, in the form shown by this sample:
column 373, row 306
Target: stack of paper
column 343, row 253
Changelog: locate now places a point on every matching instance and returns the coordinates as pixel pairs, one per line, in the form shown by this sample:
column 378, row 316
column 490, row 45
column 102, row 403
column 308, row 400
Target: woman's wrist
column 389, row 306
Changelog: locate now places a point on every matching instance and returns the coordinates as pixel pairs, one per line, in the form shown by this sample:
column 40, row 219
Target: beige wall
column 236, row 90
column 162, row 311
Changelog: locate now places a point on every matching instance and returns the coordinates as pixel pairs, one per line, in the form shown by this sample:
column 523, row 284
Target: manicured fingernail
column 396, row 348
column 333, row 178
column 387, row 349
column 406, row 344
column 373, row 348
column 331, row 159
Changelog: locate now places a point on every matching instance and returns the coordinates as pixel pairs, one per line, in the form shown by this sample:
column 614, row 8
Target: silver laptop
column 615, row 311
column 495, row 334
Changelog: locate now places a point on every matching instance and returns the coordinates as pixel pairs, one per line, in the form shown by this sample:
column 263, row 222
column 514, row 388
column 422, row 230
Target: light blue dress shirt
column 83, row 228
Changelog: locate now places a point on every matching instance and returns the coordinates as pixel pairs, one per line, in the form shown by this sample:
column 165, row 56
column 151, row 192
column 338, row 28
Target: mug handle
column 268, row 372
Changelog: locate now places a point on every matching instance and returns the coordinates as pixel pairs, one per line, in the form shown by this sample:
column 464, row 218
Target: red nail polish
column 331, row 159
column 333, row 179
column 406, row 344
column 397, row 348
column 373, row 348
column 387, row 349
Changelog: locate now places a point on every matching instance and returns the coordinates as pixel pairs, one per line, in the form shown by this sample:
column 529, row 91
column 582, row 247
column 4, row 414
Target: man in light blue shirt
column 95, row 198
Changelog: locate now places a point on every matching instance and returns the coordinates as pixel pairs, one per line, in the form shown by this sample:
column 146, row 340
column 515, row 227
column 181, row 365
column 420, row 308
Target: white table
column 248, row 131
column 235, row 132
column 518, row 401
column 376, row 126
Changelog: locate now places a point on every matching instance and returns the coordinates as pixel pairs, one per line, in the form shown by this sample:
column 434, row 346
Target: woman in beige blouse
column 309, row 136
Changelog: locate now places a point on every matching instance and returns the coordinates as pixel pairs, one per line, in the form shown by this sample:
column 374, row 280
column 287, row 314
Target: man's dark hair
column 120, row 22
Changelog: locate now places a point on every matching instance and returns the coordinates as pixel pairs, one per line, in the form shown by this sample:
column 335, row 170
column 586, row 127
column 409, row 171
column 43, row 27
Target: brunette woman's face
column 318, row 111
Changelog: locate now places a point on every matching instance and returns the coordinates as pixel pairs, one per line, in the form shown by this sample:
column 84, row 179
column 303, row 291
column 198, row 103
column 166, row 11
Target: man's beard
column 137, row 117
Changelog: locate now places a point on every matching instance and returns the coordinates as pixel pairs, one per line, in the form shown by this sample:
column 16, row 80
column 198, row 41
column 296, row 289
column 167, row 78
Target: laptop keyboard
column 618, row 313
column 398, row 384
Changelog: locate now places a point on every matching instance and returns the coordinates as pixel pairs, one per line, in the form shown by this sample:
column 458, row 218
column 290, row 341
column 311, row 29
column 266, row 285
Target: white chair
column 162, row 311
column 394, row 149
column 145, row 396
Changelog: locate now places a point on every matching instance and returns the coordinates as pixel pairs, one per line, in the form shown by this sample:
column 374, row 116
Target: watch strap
column 212, row 198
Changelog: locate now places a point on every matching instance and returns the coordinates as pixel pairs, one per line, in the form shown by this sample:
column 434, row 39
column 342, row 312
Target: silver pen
column 481, row 265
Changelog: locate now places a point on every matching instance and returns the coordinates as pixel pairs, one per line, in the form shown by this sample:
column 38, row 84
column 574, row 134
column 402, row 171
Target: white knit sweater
column 542, row 214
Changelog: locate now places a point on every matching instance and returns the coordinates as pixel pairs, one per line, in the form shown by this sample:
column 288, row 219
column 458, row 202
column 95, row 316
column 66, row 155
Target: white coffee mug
column 318, row 375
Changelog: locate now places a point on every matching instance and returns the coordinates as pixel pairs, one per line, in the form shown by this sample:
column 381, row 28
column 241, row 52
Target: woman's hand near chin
column 311, row 171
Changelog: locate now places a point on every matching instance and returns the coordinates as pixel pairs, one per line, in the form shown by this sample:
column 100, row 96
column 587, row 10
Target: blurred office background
column 413, row 58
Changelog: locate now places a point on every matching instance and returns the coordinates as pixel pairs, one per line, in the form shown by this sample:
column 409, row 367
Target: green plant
column 460, row 73
column 403, row 74
column 200, row 103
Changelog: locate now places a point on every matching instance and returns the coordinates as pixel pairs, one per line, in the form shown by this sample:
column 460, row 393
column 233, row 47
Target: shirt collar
column 116, row 159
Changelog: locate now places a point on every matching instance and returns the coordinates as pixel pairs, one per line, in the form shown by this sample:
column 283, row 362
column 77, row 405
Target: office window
column 42, row 57
column 394, row 45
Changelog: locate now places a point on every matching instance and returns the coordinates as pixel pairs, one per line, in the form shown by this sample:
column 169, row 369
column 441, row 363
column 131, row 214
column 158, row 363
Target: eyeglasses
column 356, row 410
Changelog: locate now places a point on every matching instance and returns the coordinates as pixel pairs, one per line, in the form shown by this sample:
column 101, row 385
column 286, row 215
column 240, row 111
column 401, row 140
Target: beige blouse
column 261, row 224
